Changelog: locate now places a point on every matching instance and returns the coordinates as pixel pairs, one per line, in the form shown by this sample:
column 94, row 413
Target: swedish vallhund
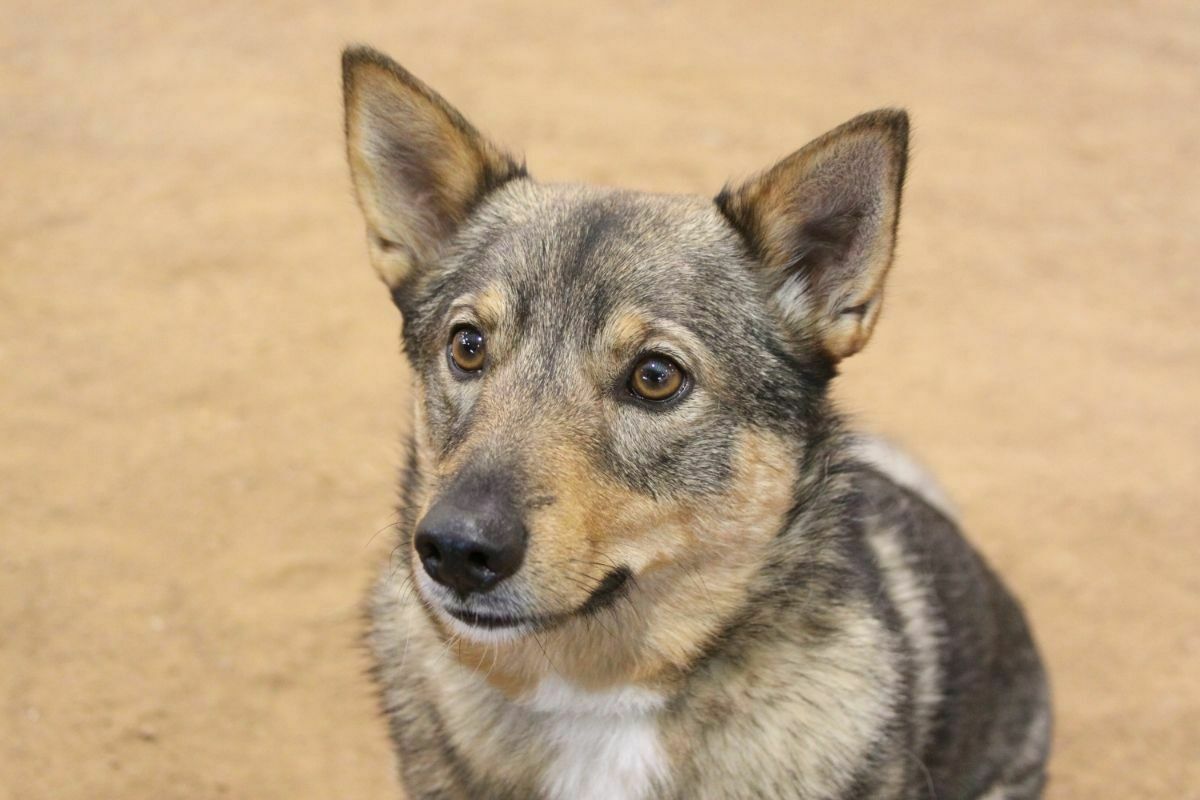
column 639, row 555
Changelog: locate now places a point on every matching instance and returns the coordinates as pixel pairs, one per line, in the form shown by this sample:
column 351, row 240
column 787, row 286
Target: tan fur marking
column 691, row 562
column 626, row 330
column 491, row 307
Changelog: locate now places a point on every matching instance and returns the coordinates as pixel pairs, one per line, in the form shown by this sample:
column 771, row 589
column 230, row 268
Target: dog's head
column 613, row 390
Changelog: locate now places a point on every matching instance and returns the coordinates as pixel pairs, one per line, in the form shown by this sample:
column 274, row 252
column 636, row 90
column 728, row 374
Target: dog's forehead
column 582, row 253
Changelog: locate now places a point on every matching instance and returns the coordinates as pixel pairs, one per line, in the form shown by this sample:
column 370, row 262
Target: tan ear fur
column 822, row 223
column 418, row 166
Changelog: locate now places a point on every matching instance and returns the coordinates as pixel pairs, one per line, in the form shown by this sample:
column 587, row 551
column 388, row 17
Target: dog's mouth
column 495, row 621
column 607, row 592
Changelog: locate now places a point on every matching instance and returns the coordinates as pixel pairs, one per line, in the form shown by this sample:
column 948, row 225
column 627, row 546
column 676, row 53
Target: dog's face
column 614, row 390
column 594, row 370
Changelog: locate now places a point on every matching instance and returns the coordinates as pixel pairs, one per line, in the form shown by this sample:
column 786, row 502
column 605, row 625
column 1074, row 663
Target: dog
column 639, row 554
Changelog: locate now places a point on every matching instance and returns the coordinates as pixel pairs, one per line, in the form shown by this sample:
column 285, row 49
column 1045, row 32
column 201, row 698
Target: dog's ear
column 419, row 167
column 822, row 224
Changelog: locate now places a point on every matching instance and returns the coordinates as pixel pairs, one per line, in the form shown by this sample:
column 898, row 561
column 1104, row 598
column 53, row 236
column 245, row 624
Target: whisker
column 453, row 640
column 406, row 588
column 546, row 655
column 393, row 523
column 495, row 661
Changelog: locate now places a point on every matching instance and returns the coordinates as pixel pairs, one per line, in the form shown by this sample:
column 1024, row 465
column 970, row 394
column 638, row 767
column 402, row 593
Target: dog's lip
column 492, row 621
column 604, row 595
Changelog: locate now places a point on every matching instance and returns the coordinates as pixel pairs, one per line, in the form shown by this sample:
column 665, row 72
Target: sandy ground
column 200, row 393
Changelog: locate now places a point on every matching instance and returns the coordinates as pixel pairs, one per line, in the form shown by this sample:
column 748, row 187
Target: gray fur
column 818, row 630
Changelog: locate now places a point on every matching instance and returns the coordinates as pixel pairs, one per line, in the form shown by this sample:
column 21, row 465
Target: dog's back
column 970, row 646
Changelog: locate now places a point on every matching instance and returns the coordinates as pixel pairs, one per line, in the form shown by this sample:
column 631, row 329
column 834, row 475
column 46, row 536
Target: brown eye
column 467, row 348
column 656, row 378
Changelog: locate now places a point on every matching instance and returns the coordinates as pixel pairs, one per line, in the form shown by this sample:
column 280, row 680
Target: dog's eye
column 468, row 348
column 656, row 378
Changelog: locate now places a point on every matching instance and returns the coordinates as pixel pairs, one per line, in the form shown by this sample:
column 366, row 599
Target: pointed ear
column 419, row 168
column 822, row 223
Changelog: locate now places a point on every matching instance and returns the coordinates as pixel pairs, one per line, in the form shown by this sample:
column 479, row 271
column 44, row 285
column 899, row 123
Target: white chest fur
column 602, row 745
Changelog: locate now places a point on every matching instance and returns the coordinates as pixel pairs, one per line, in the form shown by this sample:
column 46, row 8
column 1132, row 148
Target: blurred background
column 201, row 398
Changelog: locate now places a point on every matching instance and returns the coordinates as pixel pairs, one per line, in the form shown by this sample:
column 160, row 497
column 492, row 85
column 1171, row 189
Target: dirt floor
column 200, row 392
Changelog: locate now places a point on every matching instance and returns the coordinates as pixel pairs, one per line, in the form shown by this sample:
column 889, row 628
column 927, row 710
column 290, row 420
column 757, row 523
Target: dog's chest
column 600, row 745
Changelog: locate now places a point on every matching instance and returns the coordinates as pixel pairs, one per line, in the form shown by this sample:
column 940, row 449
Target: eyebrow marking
column 631, row 331
column 626, row 330
column 489, row 307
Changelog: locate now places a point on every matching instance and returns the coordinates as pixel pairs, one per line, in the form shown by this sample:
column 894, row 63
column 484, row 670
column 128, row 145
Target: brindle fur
column 809, row 626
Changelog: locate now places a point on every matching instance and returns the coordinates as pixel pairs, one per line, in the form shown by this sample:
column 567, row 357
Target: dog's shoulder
column 979, row 692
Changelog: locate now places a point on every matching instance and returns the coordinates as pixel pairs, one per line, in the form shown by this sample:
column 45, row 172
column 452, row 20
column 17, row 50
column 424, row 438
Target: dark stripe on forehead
column 561, row 289
column 597, row 255
column 600, row 224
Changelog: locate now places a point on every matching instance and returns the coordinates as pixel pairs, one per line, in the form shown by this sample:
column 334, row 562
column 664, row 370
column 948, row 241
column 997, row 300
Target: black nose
column 472, row 538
